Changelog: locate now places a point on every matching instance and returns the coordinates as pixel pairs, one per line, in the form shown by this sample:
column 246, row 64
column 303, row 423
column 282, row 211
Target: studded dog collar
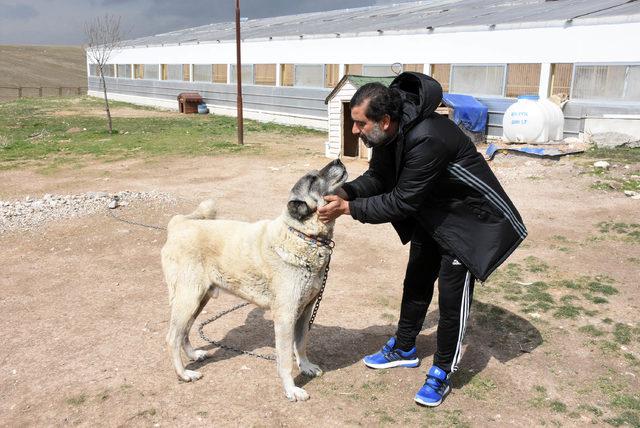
column 315, row 240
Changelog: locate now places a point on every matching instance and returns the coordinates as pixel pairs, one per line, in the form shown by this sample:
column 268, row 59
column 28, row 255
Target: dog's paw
column 199, row 355
column 297, row 394
column 310, row 369
column 191, row 376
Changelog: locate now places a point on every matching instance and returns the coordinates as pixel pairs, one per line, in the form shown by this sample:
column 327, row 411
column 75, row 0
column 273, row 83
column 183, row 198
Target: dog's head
column 309, row 192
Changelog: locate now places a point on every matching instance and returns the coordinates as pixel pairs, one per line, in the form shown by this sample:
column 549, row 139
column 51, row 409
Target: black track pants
column 428, row 262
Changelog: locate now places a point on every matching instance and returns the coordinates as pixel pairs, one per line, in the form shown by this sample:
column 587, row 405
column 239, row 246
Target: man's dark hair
column 382, row 100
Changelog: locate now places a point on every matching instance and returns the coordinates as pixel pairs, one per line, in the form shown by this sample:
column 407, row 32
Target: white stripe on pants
column 464, row 315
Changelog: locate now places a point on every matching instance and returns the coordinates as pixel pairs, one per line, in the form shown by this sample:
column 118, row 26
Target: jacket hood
column 421, row 94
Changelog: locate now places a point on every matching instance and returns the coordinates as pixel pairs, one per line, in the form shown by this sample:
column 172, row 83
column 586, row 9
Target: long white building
column 492, row 49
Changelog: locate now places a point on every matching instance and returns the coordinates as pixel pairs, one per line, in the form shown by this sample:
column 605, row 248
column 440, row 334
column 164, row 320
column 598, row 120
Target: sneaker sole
column 390, row 364
column 432, row 404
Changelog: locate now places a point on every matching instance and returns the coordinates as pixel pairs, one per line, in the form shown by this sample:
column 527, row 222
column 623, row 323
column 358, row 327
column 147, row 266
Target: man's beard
column 375, row 138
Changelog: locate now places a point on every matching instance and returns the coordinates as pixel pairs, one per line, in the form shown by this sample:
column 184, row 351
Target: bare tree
column 104, row 35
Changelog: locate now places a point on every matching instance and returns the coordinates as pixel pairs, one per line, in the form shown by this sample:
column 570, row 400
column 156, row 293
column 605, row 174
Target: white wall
column 624, row 124
column 573, row 44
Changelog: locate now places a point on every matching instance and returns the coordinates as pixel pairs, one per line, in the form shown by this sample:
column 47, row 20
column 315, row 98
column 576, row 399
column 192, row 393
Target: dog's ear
column 299, row 210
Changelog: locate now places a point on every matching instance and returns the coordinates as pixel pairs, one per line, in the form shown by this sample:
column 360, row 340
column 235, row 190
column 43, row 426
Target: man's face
column 370, row 132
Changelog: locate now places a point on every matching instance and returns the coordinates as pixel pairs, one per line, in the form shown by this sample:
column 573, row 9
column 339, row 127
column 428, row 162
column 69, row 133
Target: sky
column 57, row 22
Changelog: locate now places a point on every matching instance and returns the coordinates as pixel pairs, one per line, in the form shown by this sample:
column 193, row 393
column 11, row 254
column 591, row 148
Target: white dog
column 276, row 264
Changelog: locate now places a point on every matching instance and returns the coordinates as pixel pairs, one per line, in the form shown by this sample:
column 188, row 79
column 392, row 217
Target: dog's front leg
column 284, row 331
column 301, row 339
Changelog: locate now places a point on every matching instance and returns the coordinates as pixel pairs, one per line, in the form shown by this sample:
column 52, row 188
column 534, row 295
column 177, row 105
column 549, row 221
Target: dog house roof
column 357, row 82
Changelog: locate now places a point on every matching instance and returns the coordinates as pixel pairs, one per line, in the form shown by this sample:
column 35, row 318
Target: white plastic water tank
column 532, row 120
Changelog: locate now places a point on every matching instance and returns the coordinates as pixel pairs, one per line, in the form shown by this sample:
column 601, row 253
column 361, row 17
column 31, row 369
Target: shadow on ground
column 492, row 332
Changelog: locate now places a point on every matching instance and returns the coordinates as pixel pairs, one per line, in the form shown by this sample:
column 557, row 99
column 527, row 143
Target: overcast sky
column 58, row 22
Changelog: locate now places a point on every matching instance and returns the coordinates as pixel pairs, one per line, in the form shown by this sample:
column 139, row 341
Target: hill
column 48, row 66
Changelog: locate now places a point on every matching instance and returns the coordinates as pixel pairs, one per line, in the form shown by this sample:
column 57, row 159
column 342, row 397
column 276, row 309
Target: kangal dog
column 276, row 264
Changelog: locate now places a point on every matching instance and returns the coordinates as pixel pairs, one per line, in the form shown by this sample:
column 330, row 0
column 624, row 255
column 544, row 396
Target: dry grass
column 47, row 66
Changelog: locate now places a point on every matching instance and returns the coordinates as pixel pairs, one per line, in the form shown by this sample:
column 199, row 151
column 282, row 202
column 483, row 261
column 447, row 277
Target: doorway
column 350, row 143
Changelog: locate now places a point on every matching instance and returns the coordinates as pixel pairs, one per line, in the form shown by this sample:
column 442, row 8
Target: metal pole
column 239, row 75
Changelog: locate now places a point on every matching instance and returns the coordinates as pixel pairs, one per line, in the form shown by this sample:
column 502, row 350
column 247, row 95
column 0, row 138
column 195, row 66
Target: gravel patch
column 30, row 213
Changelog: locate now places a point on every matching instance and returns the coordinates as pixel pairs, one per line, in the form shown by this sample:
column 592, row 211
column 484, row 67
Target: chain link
column 223, row 346
column 324, row 283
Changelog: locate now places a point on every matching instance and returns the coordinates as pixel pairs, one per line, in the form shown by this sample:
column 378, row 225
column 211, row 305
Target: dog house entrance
column 350, row 143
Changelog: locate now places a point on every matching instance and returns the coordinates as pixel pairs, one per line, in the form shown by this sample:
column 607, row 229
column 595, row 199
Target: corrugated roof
column 434, row 15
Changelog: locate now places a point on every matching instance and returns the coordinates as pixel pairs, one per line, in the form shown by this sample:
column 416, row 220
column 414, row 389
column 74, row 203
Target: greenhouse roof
column 413, row 17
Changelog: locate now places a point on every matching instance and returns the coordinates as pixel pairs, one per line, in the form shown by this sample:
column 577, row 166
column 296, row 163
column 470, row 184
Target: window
column 377, row 70
column 93, row 69
column 485, row 80
column 286, row 74
column 523, row 79
column 632, row 89
column 124, row 71
column 108, row 70
column 220, row 73
column 247, row 74
column 186, row 72
column 308, row 75
column 138, row 71
column 353, row 69
column 413, row 67
column 331, row 75
column 561, row 78
column 442, row 73
column 608, row 82
column 151, row 72
column 264, row 74
column 171, row 71
column 202, row 73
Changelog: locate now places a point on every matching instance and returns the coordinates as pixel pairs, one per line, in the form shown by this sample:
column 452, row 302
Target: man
column 428, row 180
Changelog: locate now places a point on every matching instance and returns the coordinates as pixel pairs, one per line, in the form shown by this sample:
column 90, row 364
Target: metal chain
column 135, row 223
column 223, row 346
column 241, row 305
column 324, row 283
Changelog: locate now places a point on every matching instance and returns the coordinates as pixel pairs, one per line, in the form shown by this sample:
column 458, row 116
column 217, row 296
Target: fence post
column 20, row 92
column 40, row 91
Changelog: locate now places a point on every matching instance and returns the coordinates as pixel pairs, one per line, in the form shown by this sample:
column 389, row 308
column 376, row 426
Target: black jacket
column 432, row 175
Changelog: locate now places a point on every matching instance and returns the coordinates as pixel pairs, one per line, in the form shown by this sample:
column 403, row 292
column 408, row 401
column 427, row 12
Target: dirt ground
column 85, row 309
column 116, row 112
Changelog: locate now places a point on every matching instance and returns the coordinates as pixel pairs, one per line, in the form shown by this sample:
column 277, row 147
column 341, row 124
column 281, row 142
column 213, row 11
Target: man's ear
column 299, row 210
column 386, row 122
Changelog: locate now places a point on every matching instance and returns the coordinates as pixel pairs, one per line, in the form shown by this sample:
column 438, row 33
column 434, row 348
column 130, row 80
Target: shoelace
column 392, row 354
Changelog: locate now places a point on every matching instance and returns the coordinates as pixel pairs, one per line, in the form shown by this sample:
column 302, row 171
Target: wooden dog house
column 341, row 141
column 188, row 102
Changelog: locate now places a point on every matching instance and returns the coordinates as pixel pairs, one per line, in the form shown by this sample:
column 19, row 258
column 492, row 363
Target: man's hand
column 335, row 207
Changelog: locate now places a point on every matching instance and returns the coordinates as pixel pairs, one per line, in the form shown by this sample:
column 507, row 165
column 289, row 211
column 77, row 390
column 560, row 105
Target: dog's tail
column 205, row 211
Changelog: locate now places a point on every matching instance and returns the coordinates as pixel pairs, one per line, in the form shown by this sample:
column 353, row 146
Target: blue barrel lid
column 528, row 97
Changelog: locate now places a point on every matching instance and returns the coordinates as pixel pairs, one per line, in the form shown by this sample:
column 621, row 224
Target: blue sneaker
column 389, row 357
column 434, row 389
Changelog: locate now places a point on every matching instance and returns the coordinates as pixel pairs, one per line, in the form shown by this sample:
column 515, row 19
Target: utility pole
column 239, row 75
